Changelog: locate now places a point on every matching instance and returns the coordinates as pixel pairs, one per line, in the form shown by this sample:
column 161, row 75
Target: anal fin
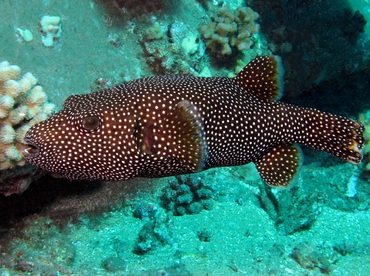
column 279, row 166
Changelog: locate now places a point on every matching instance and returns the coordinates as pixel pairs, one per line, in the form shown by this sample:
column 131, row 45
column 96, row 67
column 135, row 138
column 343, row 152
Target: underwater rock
column 205, row 235
column 17, row 180
column 114, row 264
column 176, row 270
column 131, row 8
column 146, row 211
column 345, row 248
column 154, row 233
column 292, row 210
column 308, row 257
column 345, row 191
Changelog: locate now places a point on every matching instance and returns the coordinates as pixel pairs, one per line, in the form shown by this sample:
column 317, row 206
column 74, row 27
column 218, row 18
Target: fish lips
column 32, row 149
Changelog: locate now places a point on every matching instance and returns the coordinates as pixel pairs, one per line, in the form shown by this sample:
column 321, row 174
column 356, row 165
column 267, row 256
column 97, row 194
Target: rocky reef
column 364, row 118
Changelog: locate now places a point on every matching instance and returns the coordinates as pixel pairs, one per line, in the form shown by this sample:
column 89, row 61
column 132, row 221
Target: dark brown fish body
column 169, row 125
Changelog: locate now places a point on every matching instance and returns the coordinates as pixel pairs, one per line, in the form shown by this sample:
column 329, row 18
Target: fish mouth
column 31, row 150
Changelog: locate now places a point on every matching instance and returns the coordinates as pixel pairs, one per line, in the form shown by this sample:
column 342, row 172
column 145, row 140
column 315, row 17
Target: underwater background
column 223, row 221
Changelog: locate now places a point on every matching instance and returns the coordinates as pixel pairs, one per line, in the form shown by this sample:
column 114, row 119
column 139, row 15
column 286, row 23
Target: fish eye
column 90, row 123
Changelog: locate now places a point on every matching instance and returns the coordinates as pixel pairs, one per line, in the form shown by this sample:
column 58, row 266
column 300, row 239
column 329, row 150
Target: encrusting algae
column 170, row 125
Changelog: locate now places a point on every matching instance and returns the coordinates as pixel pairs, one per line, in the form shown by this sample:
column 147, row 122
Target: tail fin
column 339, row 136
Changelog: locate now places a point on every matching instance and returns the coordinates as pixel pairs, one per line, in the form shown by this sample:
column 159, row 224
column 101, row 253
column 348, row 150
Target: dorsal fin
column 181, row 135
column 263, row 78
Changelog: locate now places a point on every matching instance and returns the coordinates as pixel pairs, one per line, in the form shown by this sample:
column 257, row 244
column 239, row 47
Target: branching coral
column 23, row 103
column 187, row 195
column 230, row 31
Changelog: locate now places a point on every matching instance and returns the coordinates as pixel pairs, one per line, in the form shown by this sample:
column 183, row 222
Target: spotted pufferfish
column 178, row 124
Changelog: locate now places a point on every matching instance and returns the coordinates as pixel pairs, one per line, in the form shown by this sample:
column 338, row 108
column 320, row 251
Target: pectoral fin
column 181, row 135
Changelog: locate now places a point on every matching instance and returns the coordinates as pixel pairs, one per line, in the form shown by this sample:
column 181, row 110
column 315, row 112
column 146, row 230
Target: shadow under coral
column 63, row 201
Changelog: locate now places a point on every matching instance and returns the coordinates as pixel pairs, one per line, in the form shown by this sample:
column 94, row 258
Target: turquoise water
column 222, row 221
